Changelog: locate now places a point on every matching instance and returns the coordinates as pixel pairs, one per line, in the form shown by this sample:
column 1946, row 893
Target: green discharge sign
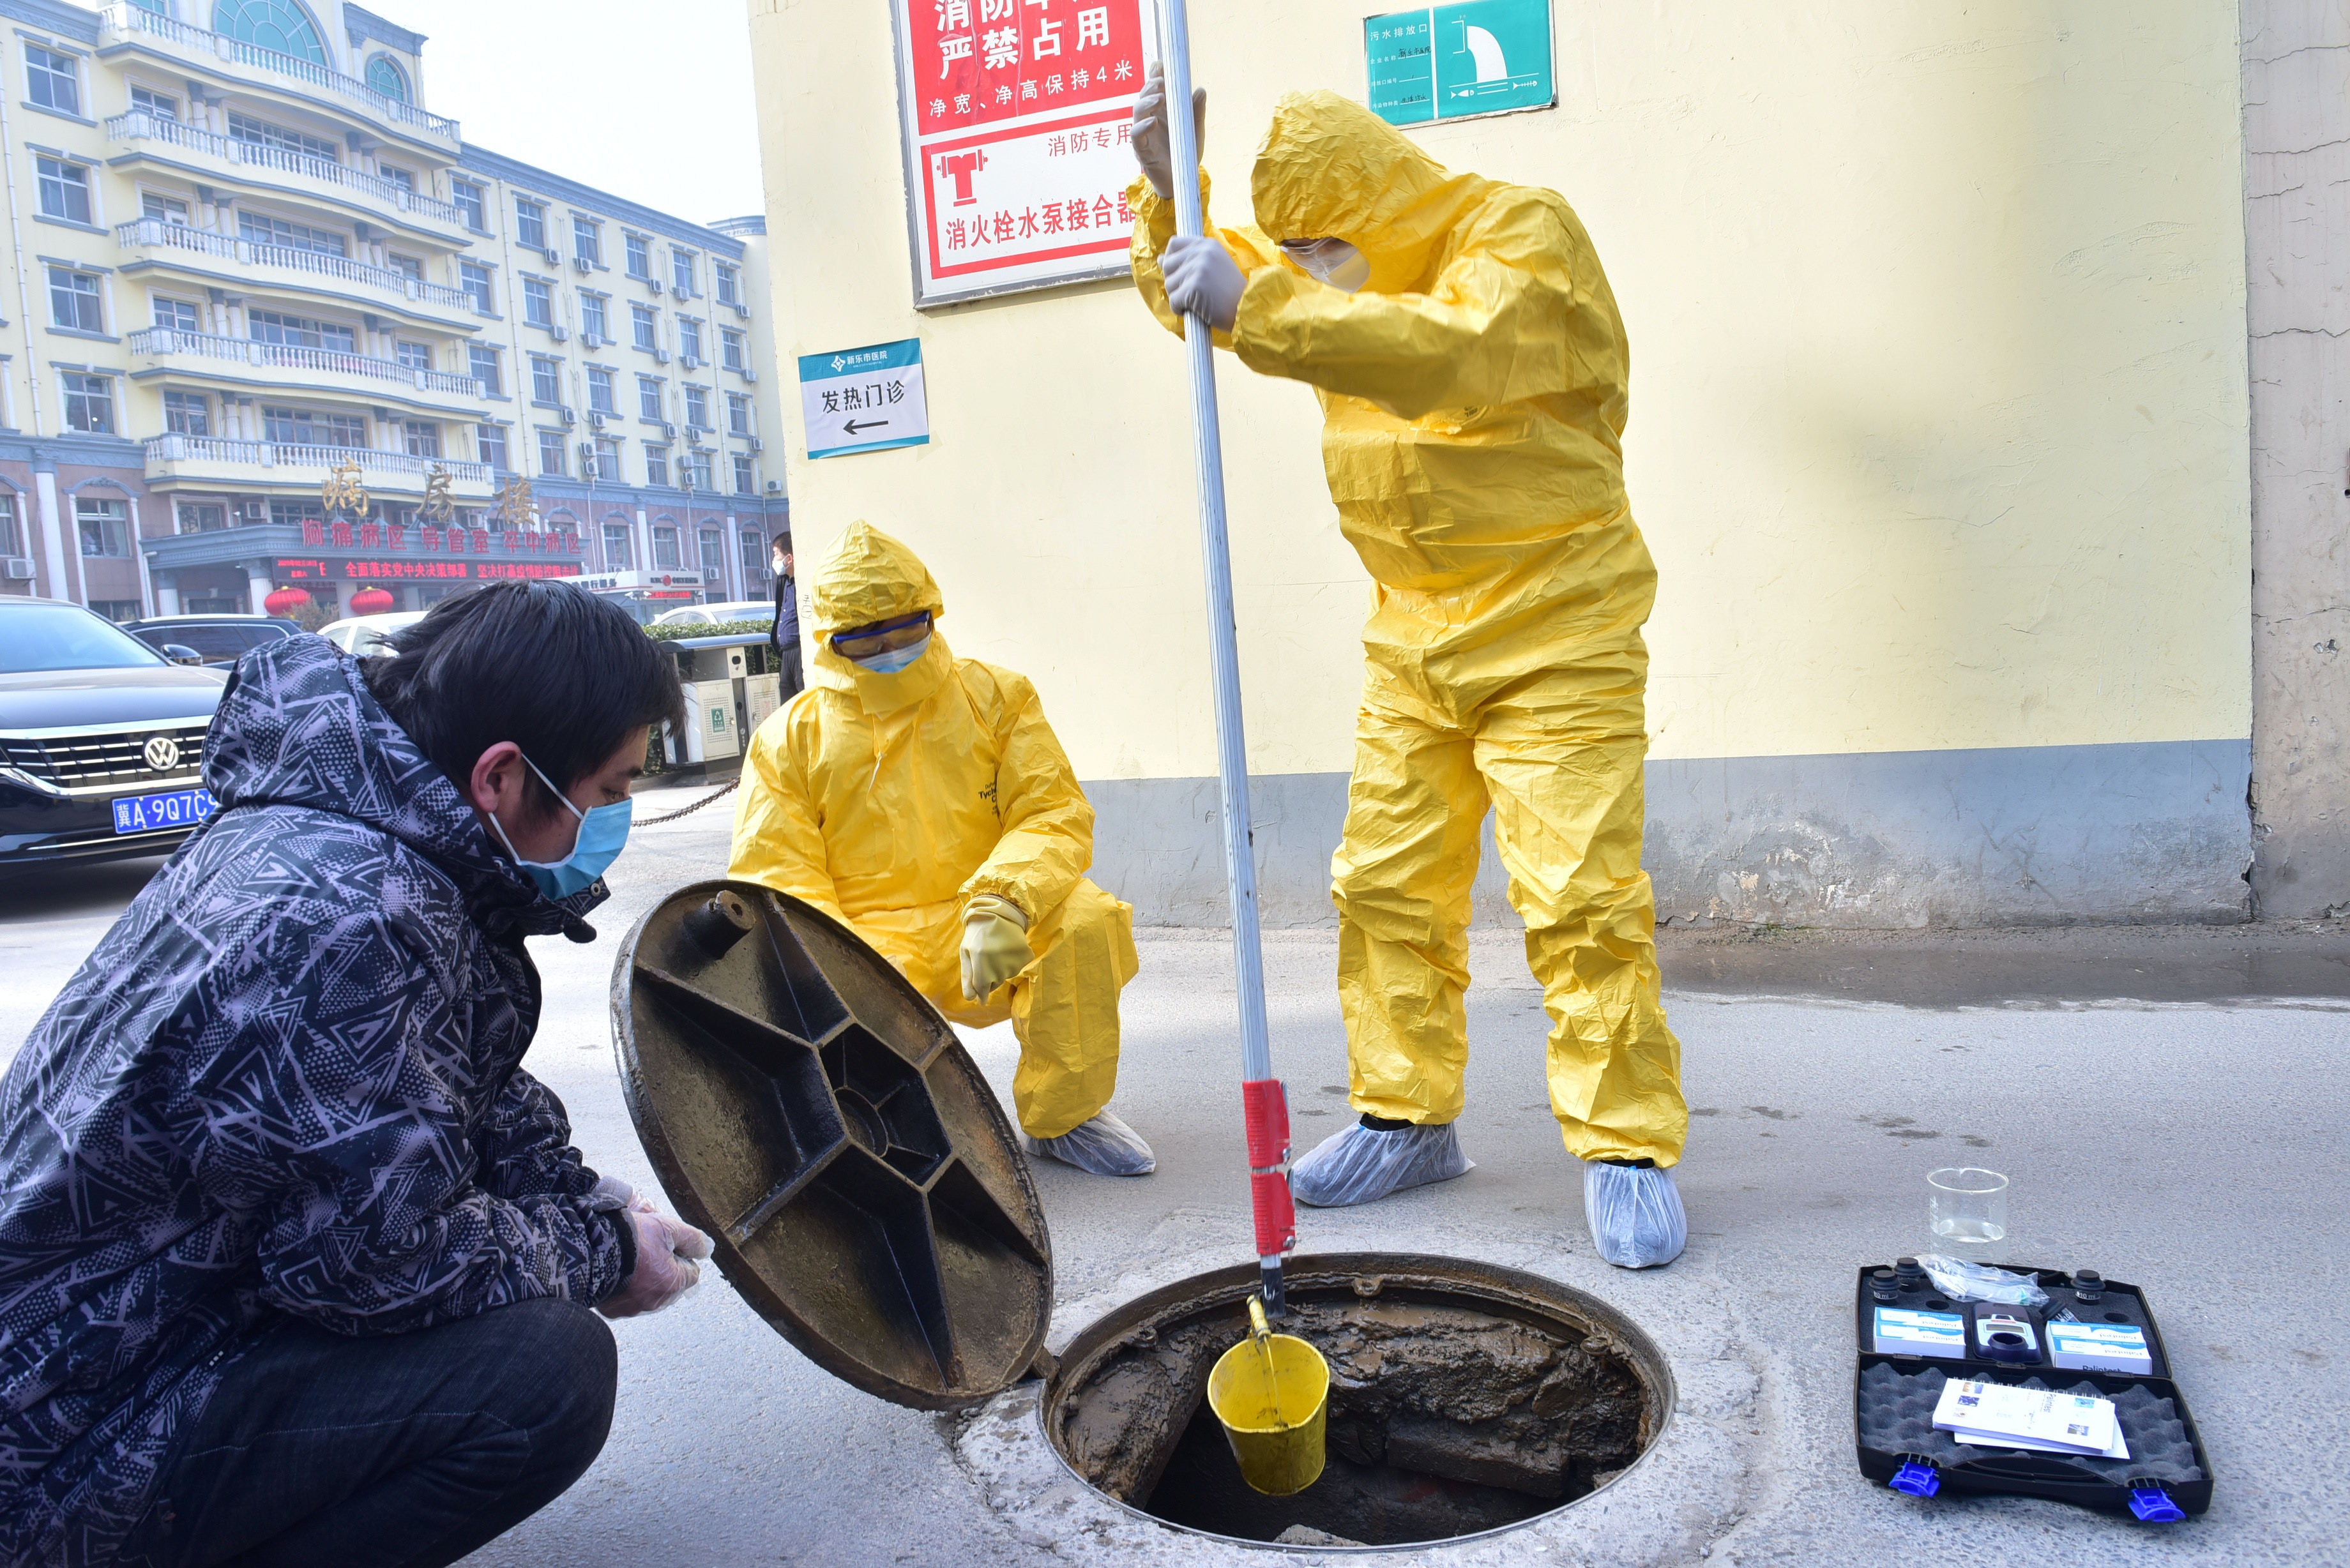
column 1448, row 62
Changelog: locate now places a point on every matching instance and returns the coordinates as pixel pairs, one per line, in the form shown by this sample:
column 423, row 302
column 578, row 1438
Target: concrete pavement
column 2169, row 1104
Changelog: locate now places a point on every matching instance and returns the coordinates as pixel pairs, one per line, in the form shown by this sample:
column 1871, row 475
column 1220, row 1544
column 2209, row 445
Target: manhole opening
column 1463, row 1398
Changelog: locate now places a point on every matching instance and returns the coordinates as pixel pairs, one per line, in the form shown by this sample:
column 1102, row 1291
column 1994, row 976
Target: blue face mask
column 602, row 833
column 894, row 660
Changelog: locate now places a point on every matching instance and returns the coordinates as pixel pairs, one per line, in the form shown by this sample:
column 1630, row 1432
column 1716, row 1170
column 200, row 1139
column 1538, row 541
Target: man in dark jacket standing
column 786, row 634
column 295, row 1260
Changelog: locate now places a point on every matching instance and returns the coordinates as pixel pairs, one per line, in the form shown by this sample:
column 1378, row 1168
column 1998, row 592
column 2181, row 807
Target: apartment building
column 277, row 325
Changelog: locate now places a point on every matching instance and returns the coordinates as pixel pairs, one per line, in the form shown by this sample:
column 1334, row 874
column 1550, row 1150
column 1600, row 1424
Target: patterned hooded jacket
column 286, row 1082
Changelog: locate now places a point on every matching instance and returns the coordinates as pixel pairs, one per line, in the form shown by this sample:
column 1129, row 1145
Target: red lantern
column 370, row 601
column 285, row 601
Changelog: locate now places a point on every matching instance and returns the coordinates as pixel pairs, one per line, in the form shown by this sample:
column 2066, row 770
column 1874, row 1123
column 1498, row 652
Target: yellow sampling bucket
column 1271, row 1391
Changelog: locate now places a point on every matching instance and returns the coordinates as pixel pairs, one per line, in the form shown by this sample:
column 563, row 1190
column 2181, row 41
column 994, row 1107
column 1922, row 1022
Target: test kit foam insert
column 1912, row 1344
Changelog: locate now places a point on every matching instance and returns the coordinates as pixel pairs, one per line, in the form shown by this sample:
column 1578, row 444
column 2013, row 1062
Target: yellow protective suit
column 891, row 801
column 1473, row 397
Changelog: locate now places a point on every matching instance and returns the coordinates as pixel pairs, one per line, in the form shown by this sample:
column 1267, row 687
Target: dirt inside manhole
column 1462, row 1398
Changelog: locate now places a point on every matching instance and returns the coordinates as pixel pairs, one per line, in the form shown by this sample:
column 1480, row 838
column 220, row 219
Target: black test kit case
column 2167, row 1474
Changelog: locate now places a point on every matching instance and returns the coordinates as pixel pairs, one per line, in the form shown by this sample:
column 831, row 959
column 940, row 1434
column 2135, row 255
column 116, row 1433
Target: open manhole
column 1463, row 1398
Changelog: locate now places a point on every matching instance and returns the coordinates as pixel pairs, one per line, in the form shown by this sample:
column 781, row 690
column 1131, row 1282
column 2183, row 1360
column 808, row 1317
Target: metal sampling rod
column 1266, row 1104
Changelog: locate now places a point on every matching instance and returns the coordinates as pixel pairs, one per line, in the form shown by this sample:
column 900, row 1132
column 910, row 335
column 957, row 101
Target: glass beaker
column 1968, row 1208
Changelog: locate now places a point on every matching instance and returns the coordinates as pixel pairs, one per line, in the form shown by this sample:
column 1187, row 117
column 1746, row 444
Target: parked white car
column 363, row 635
column 714, row 615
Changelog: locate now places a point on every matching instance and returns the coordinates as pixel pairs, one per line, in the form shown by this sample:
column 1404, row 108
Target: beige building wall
column 1939, row 435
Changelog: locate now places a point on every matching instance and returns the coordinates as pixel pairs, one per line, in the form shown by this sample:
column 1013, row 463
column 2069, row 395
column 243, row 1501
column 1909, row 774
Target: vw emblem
column 163, row 751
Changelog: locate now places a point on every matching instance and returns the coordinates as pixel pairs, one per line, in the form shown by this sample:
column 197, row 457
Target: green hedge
column 678, row 631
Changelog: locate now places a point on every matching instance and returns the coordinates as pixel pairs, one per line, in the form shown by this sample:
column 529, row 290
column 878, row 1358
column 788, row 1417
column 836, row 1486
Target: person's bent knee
column 564, row 1376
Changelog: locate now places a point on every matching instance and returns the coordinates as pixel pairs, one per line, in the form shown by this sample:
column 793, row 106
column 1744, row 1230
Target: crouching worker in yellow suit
column 924, row 800
column 1472, row 370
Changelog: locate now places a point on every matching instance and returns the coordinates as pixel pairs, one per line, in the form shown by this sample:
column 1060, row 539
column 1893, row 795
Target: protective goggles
column 882, row 637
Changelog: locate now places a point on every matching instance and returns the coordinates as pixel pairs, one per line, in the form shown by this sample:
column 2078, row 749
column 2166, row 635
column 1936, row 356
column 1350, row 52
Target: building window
column 74, row 300
column 697, row 408
column 656, row 465
column 730, row 349
column 490, row 445
column 273, row 25
column 203, row 517
column 693, row 474
column 595, row 320
column 403, row 178
column 413, row 355
column 384, row 75
column 475, row 279
column 423, row 436
column 485, row 360
column 530, row 223
column 546, row 380
column 645, row 323
column 177, row 315
column 171, row 212
column 738, row 415
column 665, row 556
column 587, row 239
column 648, row 400
column 105, row 527
column 688, row 338
column 606, row 459
column 281, row 139
column 537, row 302
column 118, row 611
column 640, row 255
column 307, row 427
column 64, row 189
column 728, row 291
column 681, row 272
column 601, row 397
column 163, row 106
column 300, row 331
column 12, row 540
column 292, row 514
column 470, row 205
column 409, row 268
column 746, row 474
column 257, row 228
column 187, row 414
column 713, row 556
column 52, row 80
column 89, row 402
column 751, row 545
column 550, row 453
column 616, row 547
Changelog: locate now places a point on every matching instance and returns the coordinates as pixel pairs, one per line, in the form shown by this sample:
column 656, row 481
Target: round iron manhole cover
column 805, row 1105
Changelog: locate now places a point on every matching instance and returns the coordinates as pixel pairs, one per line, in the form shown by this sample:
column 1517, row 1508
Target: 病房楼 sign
column 864, row 399
column 1015, row 115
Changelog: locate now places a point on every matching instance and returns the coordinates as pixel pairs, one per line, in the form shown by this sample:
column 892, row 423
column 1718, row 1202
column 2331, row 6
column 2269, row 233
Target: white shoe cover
column 1103, row 1145
column 1635, row 1216
column 1363, row 1165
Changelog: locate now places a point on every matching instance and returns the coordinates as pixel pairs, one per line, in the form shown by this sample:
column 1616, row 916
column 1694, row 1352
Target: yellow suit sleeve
column 778, row 837
column 1154, row 225
column 1049, row 824
column 1495, row 327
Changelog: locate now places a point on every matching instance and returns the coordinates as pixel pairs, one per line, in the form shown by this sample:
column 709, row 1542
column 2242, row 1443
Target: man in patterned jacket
column 296, row 1261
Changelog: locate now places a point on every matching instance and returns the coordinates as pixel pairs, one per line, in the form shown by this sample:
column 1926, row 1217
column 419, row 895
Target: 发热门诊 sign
column 864, row 399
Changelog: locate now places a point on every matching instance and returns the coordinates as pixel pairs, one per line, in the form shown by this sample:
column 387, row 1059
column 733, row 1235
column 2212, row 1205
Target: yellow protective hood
column 1330, row 168
column 868, row 576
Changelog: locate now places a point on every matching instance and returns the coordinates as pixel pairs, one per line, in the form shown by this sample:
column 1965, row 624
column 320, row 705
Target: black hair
column 783, row 541
column 561, row 673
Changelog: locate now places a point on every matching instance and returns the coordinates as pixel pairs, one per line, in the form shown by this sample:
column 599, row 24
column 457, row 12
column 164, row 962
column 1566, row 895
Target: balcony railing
column 141, row 124
column 287, row 455
column 156, row 233
column 163, row 341
column 138, row 19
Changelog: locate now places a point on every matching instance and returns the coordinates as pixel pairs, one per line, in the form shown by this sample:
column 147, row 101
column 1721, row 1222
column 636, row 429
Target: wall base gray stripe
column 2023, row 836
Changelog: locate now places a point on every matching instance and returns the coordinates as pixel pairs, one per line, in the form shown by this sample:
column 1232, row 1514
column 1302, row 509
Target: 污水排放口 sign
column 1448, row 62
column 864, row 399
column 1016, row 116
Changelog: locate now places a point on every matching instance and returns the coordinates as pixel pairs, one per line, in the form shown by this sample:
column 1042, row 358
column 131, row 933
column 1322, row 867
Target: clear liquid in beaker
column 1967, row 1207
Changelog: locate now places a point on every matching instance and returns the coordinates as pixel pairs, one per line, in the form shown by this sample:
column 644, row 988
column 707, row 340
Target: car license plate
column 149, row 813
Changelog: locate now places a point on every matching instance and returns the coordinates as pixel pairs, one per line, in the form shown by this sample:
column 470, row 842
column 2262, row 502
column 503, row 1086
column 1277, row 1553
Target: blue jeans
column 406, row 1450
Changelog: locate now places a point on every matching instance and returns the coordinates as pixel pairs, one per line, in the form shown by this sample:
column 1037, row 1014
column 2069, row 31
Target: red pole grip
column 1266, row 1102
column 1277, row 1215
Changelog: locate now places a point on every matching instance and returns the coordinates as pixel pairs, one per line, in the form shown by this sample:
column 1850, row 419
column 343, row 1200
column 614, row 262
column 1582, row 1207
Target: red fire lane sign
column 1015, row 115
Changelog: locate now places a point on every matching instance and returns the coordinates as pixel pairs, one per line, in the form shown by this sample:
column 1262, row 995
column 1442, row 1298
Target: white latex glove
column 665, row 1266
column 994, row 945
column 1151, row 136
column 1203, row 280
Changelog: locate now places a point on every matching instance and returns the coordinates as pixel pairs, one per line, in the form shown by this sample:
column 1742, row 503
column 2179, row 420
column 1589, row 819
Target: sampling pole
column 1264, row 1099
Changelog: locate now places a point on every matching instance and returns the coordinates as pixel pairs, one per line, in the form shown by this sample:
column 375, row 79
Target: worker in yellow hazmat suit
column 924, row 800
column 1472, row 370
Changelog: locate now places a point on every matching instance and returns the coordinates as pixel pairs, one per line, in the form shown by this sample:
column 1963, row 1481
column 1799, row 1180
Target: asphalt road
column 2169, row 1104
